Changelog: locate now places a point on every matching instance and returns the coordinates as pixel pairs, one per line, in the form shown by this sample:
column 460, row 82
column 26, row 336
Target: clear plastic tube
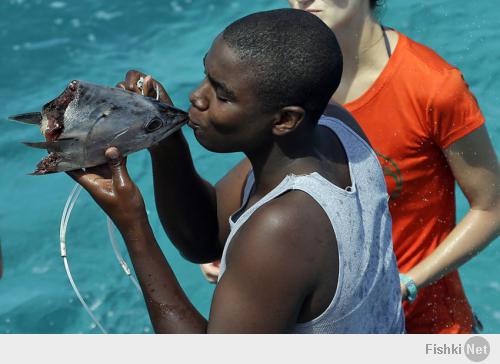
column 119, row 257
column 68, row 208
column 82, row 301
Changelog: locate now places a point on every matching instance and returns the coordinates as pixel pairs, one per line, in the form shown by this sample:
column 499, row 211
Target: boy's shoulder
column 292, row 227
column 337, row 111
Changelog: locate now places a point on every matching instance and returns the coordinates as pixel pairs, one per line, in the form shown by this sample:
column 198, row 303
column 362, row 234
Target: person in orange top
column 411, row 132
column 428, row 132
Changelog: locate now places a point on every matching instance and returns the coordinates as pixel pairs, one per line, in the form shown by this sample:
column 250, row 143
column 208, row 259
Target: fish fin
column 40, row 145
column 38, row 172
column 53, row 146
column 54, row 162
column 34, row 118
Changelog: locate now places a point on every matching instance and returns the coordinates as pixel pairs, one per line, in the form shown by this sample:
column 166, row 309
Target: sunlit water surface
column 44, row 44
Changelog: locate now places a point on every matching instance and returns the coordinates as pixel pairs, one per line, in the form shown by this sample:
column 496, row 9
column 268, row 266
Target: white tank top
column 368, row 296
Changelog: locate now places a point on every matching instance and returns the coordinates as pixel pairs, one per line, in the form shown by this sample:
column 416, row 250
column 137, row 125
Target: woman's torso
column 408, row 119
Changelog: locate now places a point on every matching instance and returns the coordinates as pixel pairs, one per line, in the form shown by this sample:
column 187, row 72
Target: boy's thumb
column 117, row 166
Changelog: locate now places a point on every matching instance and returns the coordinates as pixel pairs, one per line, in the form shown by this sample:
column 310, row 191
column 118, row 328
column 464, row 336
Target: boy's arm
column 270, row 271
column 186, row 203
column 193, row 213
column 263, row 288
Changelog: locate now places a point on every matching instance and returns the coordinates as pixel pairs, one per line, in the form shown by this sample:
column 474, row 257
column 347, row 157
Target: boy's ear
column 288, row 119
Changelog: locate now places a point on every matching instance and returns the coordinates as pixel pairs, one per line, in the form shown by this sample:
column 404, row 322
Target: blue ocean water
column 44, row 44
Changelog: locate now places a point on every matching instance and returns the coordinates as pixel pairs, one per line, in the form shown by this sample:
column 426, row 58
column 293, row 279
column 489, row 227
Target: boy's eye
column 222, row 98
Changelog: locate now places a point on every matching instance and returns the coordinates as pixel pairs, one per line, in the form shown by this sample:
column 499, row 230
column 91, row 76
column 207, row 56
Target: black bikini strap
column 386, row 41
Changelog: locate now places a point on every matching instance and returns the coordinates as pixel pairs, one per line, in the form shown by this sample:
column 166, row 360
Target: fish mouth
column 183, row 120
column 177, row 126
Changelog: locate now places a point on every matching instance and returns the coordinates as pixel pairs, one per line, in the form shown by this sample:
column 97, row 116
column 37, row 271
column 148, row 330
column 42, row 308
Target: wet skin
column 282, row 267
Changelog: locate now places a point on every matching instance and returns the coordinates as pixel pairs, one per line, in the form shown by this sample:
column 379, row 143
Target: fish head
column 86, row 119
column 119, row 118
column 140, row 126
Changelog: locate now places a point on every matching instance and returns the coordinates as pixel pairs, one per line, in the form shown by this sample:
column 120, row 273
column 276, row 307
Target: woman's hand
column 404, row 292
column 211, row 271
column 113, row 190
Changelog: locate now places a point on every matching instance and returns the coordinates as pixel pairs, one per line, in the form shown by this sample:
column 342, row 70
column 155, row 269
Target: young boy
column 309, row 248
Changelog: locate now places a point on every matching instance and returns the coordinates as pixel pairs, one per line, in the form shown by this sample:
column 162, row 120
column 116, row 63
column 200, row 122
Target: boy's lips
column 193, row 124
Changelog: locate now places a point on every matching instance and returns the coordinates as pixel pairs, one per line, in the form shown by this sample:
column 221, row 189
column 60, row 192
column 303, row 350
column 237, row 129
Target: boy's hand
column 113, row 190
column 150, row 87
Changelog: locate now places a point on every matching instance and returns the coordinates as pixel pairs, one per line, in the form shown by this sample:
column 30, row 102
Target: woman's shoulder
column 422, row 57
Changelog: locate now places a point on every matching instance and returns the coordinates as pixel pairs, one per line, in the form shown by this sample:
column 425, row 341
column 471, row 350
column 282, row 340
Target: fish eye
column 154, row 125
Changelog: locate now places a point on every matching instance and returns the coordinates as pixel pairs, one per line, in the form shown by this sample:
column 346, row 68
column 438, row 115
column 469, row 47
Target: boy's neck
column 273, row 164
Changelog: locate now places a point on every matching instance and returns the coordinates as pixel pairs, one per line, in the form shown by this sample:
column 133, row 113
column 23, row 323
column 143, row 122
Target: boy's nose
column 198, row 98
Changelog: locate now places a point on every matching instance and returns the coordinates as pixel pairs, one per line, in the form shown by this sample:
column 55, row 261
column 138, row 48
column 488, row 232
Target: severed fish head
column 86, row 119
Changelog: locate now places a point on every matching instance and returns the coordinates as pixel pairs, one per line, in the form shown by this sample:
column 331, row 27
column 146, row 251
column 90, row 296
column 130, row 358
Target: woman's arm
column 474, row 164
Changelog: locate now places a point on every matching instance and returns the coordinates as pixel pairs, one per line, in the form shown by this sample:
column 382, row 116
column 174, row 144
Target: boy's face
column 226, row 113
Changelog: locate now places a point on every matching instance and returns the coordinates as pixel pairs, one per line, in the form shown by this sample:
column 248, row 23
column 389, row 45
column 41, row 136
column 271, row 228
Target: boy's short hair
column 294, row 58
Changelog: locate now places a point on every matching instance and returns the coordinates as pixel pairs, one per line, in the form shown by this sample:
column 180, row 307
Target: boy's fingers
column 147, row 87
column 131, row 80
column 163, row 94
column 118, row 168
